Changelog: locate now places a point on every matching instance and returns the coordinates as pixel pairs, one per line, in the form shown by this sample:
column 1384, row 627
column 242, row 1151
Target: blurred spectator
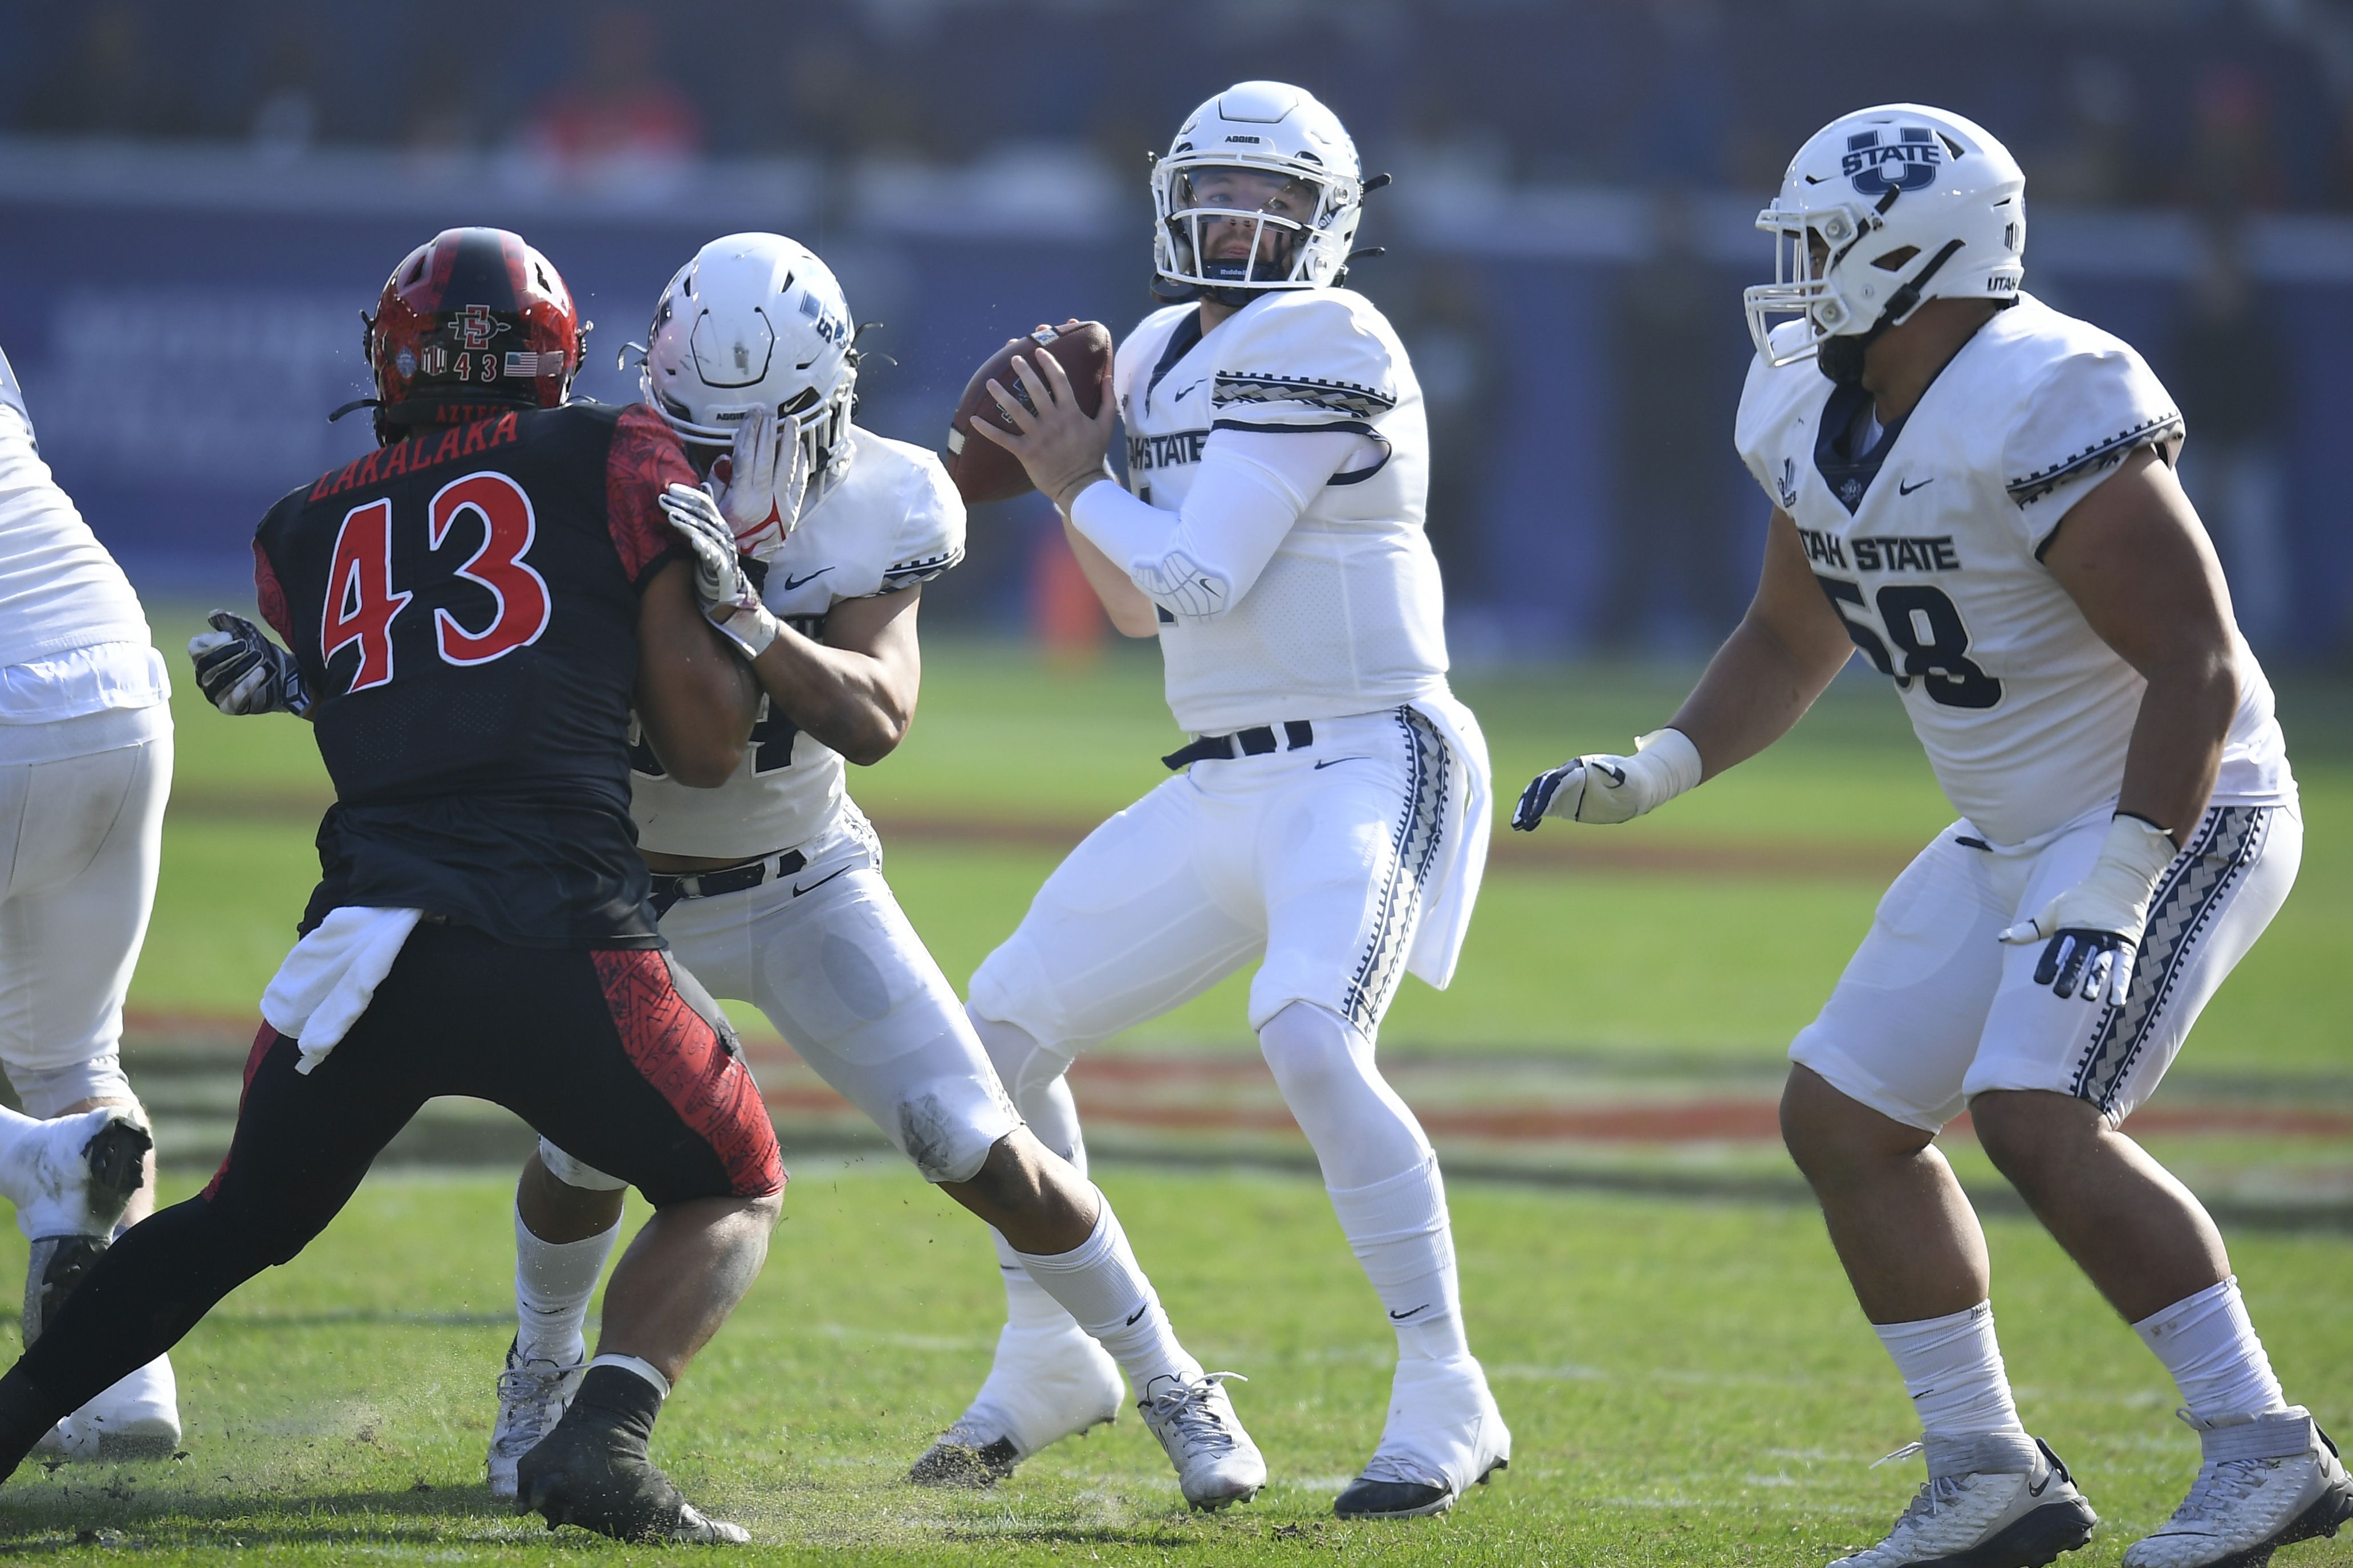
column 2230, row 374
column 286, row 115
column 619, row 124
column 2233, row 167
column 2101, row 161
column 1674, row 567
column 111, row 86
column 441, row 120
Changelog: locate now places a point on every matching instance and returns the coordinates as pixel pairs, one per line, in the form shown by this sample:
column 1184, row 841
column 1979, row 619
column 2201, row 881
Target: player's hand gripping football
column 724, row 590
column 241, row 671
column 768, row 479
column 2093, row 929
column 1063, row 450
column 1603, row 788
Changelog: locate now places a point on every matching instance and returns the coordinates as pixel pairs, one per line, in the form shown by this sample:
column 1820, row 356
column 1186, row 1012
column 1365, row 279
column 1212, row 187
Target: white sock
column 1400, row 1233
column 554, row 1282
column 1099, row 1283
column 1027, row 1304
column 1952, row 1365
column 2209, row 1345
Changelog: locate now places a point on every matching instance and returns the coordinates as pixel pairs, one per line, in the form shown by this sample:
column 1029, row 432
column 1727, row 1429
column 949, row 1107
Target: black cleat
column 1368, row 1498
column 949, row 1463
column 117, row 1153
column 587, row 1472
column 53, row 1271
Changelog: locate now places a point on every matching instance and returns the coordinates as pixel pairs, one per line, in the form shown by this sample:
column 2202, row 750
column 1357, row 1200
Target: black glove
column 241, row 671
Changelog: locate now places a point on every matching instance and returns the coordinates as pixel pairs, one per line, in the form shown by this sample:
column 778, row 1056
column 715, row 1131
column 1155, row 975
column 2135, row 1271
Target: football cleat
column 2265, row 1482
column 1444, row 1436
column 74, row 1175
column 1216, row 1464
column 533, row 1395
column 2000, row 1500
column 1046, row 1386
column 596, row 1476
column 138, row 1419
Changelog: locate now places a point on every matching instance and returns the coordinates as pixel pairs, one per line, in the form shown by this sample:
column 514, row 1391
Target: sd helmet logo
column 1910, row 164
column 475, row 327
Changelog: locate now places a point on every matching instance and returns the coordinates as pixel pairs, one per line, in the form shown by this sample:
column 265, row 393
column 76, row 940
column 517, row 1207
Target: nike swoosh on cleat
column 1335, row 762
column 813, row 886
column 2036, row 1488
column 1401, row 1317
column 792, row 583
column 1904, row 489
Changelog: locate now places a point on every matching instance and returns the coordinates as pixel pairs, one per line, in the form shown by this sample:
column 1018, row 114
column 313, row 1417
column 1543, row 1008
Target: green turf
column 1556, row 960
column 1687, row 1384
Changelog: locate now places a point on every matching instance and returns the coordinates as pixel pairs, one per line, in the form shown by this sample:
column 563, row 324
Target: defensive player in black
column 472, row 610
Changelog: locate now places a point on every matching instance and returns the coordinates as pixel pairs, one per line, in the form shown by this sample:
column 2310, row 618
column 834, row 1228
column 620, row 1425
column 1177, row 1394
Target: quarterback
column 770, row 887
column 1328, row 819
column 85, row 763
column 1978, row 493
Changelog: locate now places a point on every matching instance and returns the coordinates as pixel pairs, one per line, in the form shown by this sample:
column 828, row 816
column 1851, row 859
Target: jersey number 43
column 1926, row 627
column 362, row 603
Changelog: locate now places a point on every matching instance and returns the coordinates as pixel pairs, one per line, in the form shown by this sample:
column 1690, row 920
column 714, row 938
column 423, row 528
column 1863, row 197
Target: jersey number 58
column 1926, row 629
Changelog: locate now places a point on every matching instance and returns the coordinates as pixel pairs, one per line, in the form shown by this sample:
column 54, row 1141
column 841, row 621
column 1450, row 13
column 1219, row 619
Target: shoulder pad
column 1313, row 357
column 927, row 539
column 2086, row 400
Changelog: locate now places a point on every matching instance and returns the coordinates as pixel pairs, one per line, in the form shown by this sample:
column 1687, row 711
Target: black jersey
column 464, row 607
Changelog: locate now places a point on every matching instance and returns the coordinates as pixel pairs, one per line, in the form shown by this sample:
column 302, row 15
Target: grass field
column 1689, row 1382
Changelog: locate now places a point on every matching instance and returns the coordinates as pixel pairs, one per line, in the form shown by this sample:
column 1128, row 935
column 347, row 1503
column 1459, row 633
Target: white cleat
column 1045, row 1385
column 2001, row 1501
column 74, row 1177
column 1443, row 1436
column 138, row 1419
column 2267, row 1482
column 1217, row 1463
column 533, row 1396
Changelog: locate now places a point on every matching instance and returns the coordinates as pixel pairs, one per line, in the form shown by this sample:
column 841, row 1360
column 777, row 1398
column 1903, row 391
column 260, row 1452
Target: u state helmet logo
column 1875, row 168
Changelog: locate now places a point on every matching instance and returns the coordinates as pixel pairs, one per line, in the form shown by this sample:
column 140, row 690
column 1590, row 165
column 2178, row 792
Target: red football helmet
column 471, row 324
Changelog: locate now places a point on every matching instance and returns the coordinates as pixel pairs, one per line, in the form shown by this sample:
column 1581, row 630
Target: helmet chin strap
column 1841, row 358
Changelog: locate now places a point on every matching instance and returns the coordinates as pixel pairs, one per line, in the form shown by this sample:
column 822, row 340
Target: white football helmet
column 1258, row 129
column 1880, row 210
column 756, row 320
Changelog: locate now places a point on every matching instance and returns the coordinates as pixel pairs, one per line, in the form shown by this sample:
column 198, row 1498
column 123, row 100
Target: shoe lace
column 2220, row 1487
column 531, row 1390
column 1936, row 1493
column 1187, row 1409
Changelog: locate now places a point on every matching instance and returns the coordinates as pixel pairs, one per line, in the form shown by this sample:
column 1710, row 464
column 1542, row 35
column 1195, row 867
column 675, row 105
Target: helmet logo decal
column 1910, row 164
column 476, row 326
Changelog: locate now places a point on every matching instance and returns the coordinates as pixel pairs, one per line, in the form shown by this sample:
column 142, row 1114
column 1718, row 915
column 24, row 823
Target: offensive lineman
column 85, row 764
column 1330, row 819
column 771, row 885
column 471, row 613
column 1978, row 492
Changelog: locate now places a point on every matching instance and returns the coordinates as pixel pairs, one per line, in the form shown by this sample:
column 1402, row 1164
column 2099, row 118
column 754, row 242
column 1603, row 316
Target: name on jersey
column 419, row 452
column 1145, row 453
column 1888, row 552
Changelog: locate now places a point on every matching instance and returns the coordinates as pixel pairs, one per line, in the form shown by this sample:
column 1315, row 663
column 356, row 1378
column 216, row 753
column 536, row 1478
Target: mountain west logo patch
column 1875, row 168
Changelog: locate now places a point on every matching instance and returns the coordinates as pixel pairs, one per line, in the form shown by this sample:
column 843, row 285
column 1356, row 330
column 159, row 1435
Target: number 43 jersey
column 464, row 607
column 1927, row 538
column 893, row 522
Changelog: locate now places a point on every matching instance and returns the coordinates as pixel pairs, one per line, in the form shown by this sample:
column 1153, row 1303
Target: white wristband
column 1670, row 765
column 751, row 631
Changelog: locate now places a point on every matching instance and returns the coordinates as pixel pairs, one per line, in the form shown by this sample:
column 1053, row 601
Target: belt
column 1297, row 733
column 669, row 889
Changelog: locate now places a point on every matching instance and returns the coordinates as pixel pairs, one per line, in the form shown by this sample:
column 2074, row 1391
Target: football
column 985, row 471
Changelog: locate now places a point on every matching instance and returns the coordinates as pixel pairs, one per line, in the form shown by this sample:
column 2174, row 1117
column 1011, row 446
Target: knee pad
column 573, row 1172
column 45, row 1092
column 1311, row 1049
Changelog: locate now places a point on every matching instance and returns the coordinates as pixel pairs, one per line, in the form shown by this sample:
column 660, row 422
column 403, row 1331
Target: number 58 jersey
column 1927, row 538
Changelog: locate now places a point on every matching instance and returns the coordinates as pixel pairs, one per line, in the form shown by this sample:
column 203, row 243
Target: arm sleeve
column 644, row 459
column 270, row 597
column 1199, row 562
column 2091, row 410
column 929, row 538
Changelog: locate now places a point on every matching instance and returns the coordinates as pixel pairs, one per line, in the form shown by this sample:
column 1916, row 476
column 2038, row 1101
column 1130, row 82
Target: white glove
column 723, row 588
column 2095, row 927
column 1602, row 788
column 766, row 482
column 241, row 671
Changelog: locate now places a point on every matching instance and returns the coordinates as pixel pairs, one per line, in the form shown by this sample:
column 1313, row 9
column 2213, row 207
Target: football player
column 85, row 763
column 771, row 888
column 1329, row 820
column 469, row 614
column 1978, row 493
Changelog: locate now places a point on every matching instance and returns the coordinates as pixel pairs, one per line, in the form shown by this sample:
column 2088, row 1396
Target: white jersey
column 1348, row 617
column 895, row 522
column 1929, row 547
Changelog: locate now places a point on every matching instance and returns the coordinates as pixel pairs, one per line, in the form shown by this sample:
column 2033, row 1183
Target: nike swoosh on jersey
column 792, row 583
column 1904, row 489
column 1189, row 392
